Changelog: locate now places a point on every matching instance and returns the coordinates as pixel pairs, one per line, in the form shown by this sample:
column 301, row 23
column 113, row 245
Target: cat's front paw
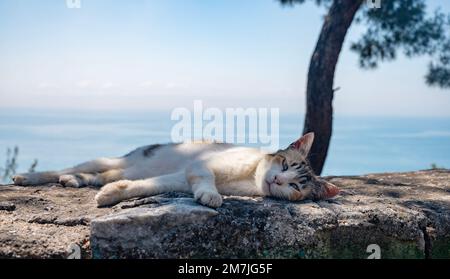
column 209, row 198
column 112, row 193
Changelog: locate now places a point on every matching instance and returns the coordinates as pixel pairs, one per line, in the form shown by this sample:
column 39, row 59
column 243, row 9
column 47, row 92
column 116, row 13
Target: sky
column 159, row 55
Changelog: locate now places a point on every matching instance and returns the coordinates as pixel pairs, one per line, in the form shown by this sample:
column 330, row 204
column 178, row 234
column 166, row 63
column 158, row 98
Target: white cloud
column 47, row 85
column 175, row 85
column 109, row 85
column 147, row 84
column 84, row 83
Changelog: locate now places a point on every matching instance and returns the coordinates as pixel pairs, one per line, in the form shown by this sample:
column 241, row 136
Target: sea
column 359, row 145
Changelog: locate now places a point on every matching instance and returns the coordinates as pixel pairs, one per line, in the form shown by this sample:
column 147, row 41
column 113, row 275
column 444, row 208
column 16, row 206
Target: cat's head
column 287, row 174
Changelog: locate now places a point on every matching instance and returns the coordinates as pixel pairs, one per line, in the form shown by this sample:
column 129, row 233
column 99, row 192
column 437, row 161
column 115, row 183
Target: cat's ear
column 327, row 190
column 303, row 144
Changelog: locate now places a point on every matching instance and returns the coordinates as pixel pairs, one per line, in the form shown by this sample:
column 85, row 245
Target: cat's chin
column 265, row 188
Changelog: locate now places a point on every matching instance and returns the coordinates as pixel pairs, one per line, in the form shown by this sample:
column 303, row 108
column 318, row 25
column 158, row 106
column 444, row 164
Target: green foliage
column 398, row 25
column 434, row 166
column 11, row 165
column 439, row 70
column 402, row 25
column 292, row 2
column 33, row 166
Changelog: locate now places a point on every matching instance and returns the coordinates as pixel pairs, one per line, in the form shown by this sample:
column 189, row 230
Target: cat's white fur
column 208, row 170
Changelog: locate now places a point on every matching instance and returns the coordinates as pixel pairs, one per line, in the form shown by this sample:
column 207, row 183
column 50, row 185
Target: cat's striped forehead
column 295, row 162
column 292, row 156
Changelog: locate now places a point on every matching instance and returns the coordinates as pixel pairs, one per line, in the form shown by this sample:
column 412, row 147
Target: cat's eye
column 285, row 165
column 295, row 186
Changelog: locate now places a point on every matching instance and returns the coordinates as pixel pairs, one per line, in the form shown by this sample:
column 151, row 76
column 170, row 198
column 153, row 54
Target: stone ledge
column 406, row 214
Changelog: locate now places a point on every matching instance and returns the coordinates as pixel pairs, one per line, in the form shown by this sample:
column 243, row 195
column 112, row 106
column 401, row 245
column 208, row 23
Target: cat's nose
column 278, row 180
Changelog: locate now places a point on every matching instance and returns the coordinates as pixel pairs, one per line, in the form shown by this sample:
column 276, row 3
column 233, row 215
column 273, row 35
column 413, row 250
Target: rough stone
column 406, row 214
column 8, row 206
column 46, row 221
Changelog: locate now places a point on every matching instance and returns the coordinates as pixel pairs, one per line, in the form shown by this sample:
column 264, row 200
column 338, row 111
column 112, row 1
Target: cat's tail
column 115, row 192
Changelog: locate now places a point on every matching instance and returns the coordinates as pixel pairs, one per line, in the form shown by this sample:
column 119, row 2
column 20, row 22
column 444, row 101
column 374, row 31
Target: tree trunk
column 319, row 94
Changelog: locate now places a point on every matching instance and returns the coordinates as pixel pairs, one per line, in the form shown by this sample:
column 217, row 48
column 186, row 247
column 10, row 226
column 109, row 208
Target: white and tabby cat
column 205, row 169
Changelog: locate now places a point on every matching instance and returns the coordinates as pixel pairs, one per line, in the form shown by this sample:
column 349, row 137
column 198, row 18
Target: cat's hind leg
column 98, row 165
column 90, row 179
column 118, row 191
column 94, row 166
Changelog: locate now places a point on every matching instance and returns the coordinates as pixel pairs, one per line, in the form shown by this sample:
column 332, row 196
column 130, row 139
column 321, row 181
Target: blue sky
column 155, row 54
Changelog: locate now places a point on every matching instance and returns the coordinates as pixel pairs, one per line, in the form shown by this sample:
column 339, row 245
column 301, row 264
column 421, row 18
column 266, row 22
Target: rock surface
column 46, row 220
column 406, row 214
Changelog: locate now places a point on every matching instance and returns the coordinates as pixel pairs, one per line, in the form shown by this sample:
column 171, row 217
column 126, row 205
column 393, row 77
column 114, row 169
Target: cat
column 207, row 170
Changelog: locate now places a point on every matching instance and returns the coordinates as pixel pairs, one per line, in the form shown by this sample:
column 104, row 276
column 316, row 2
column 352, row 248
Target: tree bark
column 319, row 92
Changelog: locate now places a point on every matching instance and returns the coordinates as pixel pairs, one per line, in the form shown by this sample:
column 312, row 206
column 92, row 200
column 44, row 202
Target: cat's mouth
column 268, row 187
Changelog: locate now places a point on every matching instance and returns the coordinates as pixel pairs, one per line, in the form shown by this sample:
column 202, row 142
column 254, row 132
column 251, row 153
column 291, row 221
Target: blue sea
column 359, row 145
